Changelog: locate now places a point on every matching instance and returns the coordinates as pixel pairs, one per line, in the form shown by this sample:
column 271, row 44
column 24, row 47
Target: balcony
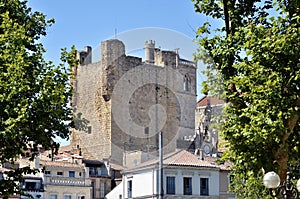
column 32, row 186
column 66, row 181
column 36, row 194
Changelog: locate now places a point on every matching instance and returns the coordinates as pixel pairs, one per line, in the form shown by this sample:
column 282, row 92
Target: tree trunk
column 282, row 158
column 282, row 154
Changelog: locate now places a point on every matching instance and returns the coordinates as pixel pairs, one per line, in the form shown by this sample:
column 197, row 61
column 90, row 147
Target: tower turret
column 85, row 56
column 111, row 51
column 149, row 51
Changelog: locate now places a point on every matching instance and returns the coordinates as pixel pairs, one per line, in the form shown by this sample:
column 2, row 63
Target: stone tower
column 126, row 101
column 149, row 51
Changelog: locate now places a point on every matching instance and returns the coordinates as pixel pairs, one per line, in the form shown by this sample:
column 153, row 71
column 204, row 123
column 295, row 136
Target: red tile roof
column 63, row 149
column 185, row 158
column 213, row 101
column 60, row 164
column 182, row 158
column 116, row 167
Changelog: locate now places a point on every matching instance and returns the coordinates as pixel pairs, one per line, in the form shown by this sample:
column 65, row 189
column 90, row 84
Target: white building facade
column 184, row 176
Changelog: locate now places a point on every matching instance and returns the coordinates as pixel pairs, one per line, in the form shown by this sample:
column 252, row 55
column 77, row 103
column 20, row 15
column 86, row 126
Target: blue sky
column 82, row 23
column 88, row 22
column 172, row 22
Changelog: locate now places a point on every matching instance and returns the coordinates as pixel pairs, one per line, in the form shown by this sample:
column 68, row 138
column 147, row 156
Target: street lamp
column 286, row 190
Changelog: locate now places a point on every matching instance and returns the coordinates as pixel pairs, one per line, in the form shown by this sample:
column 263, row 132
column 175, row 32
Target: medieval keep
column 127, row 101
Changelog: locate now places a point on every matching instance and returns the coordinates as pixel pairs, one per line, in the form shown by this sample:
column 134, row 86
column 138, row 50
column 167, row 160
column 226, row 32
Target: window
column 67, row 197
column 72, row 174
column 93, row 189
column 89, row 129
column 170, row 185
column 47, row 172
column 102, row 189
column 129, row 187
column 187, row 186
column 186, row 83
column 81, row 197
column 231, row 181
column 30, row 185
column 204, row 187
column 53, row 196
column 95, row 171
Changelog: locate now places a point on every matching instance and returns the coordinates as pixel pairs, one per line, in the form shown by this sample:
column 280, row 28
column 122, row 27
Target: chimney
column 201, row 154
column 107, row 165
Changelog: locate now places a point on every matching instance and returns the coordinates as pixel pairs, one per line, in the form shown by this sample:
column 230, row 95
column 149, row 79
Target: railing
column 34, row 190
column 187, row 63
column 97, row 174
column 33, row 194
column 65, row 181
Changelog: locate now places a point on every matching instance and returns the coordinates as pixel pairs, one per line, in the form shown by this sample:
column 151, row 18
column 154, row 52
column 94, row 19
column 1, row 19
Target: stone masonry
column 127, row 101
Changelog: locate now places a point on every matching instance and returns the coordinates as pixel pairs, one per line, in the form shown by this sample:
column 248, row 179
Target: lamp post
column 284, row 190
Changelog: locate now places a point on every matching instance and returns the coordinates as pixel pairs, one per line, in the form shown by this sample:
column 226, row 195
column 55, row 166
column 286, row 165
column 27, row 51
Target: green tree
column 34, row 93
column 254, row 58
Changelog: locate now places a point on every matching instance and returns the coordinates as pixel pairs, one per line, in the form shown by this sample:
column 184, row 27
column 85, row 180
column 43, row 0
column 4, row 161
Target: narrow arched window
column 187, row 83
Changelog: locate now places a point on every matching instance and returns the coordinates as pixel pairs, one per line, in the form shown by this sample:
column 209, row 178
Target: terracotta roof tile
column 60, row 164
column 63, row 149
column 185, row 158
column 180, row 158
column 116, row 167
column 213, row 101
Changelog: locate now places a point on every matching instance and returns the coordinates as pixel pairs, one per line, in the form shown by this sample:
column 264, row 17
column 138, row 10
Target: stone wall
column 88, row 87
column 119, row 97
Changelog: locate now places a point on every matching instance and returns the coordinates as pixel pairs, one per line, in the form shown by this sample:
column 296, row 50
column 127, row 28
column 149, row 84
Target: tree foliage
column 254, row 58
column 34, row 93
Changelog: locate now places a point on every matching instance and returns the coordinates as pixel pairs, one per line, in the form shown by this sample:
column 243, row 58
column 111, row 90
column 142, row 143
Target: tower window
column 89, row 129
column 187, row 83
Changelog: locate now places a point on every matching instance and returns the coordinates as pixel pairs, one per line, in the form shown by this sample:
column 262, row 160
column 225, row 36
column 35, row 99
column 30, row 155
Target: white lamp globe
column 271, row 180
column 298, row 185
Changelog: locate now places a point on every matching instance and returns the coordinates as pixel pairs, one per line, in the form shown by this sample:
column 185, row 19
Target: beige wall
column 61, row 191
column 62, row 185
column 98, row 191
column 224, row 186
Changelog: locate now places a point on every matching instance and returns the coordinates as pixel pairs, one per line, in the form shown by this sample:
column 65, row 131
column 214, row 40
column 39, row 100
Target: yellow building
column 65, row 180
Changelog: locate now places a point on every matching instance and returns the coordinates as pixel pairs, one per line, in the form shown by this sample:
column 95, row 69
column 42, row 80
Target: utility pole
column 160, row 169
